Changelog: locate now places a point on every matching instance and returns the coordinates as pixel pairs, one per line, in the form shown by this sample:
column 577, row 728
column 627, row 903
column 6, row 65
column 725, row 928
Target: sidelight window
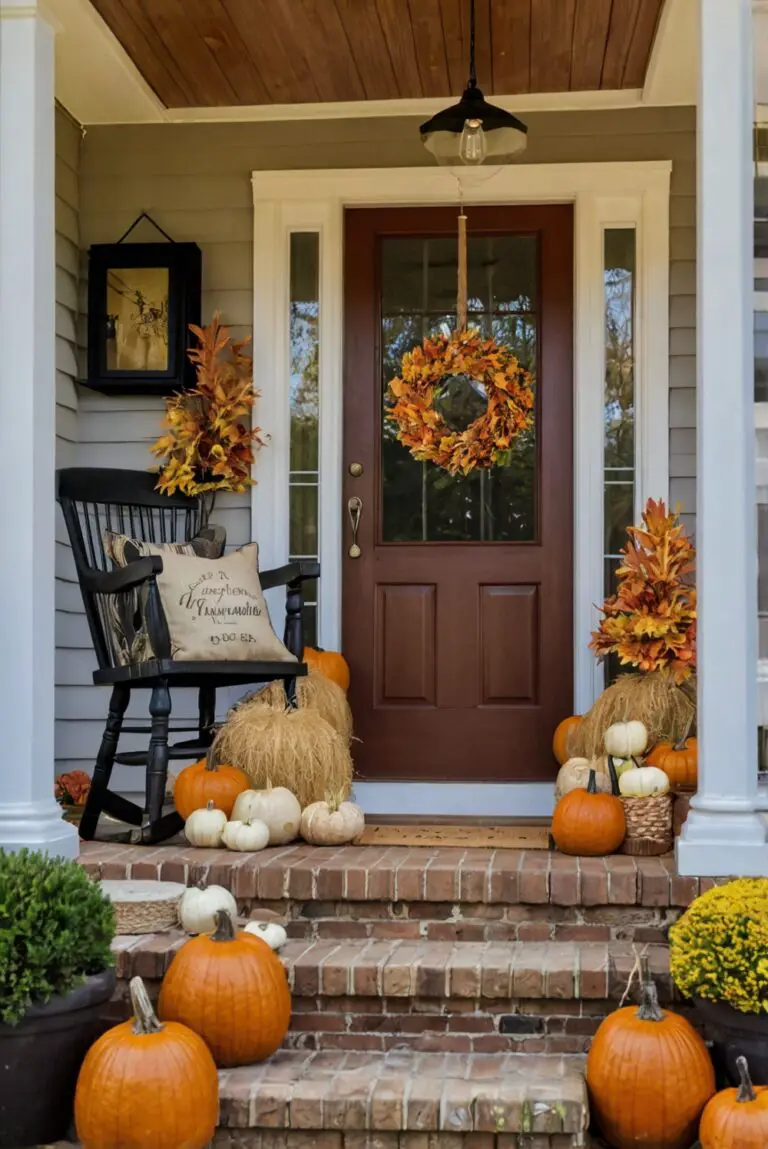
column 304, row 336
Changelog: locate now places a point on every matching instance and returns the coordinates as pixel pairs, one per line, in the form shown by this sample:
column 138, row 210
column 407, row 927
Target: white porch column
column 29, row 816
column 724, row 834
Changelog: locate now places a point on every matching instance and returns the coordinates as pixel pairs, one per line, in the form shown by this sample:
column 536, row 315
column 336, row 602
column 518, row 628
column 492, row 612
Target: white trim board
column 603, row 195
column 455, row 800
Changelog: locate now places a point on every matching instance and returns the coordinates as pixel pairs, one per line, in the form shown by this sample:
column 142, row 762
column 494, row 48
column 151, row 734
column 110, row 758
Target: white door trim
column 603, row 194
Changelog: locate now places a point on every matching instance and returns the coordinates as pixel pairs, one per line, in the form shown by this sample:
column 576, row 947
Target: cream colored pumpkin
column 271, row 932
column 250, row 835
column 644, row 782
column 199, row 905
column 205, row 827
column 574, row 775
column 276, row 806
column 626, row 740
column 331, row 824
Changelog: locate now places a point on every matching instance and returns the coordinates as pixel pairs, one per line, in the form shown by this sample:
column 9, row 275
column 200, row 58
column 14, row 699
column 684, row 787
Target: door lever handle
column 355, row 509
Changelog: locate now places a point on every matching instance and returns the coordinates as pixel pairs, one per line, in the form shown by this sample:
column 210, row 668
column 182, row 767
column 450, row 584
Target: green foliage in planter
column 55, row 929
column 719, row 947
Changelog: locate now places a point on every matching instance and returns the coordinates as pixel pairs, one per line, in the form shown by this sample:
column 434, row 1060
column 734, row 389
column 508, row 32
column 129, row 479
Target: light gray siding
column 195, row 181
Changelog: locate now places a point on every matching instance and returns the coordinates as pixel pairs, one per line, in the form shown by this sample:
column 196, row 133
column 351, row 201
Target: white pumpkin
column 276, row 806
column 271, row 932
column 248, row 836
column 331, row 824
column 626, row 740
column 205, row 827
column 199, row 904
column 644, row 782
column 574, row 775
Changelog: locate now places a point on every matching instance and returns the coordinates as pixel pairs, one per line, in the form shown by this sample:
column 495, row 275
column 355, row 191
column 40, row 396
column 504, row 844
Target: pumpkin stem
column 746, row 1090
column 613, row 776
column 144, row 1017
column 649, row 1010
column 592, row 783
column 210, row 761
column 682, row 743
column 202, row 884
column 225, row 930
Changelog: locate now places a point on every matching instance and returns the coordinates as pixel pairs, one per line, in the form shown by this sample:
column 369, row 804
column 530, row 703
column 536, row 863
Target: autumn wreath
column 427, row 369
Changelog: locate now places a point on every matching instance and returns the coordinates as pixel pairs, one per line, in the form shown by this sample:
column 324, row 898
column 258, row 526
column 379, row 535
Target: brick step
column 465, row 997
column 440, row 894
column 409, row 1100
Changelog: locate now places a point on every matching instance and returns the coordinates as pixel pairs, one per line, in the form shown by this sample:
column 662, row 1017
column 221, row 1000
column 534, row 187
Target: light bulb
column 473, row 147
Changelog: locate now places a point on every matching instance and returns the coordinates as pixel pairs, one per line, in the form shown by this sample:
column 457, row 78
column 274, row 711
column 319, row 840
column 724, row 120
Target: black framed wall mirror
column 141, row 299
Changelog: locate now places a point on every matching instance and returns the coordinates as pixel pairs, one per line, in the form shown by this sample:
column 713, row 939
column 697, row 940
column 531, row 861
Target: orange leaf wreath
column 508, row 386
column 650, row 622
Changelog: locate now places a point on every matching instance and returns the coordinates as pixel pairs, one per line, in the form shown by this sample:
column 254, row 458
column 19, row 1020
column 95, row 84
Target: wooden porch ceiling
column 220, row 53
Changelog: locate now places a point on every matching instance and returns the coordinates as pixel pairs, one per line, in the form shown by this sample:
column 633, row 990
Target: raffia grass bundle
column 315, row 692
column 653, row 699
column 297, row 749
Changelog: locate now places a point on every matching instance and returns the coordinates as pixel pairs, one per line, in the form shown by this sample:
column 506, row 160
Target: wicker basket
column 144, row 907
column 649, row 825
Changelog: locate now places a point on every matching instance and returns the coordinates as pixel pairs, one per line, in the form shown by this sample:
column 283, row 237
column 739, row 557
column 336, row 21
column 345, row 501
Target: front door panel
column 457, row 617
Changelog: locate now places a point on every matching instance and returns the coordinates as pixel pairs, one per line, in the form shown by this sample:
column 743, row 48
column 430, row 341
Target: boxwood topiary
column 55, row 929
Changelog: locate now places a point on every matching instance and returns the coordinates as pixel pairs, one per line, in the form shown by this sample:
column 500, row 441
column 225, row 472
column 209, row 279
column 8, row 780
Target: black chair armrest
column 122, row 578
column 289, row 575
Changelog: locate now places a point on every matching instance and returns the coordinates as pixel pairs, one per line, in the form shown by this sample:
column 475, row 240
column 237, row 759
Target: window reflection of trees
column 422, row 502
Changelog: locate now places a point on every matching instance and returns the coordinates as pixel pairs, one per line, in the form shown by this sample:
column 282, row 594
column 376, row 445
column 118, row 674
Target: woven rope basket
column 649, row 825
column 144, row 907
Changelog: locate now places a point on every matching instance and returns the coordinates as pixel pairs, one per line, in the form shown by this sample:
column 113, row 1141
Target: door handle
column 355, row 509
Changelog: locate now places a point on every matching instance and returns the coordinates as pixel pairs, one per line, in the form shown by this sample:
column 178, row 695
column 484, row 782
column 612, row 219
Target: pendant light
column 473, row 130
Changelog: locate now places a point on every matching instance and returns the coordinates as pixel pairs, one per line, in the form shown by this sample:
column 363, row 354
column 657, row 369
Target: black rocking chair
column 95, row 500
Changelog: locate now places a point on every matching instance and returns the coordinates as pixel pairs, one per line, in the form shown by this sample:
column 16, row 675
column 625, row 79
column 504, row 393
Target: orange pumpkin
column 145, row 1085
column 562, row 736
column 649, row 1076
column 231, row 989
column 330, row 663
column 679, row 763
column 206, row 782
column 587, row 822
column 736, row 1118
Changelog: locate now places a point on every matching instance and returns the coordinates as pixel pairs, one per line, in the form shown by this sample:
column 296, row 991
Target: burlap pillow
column 215, row 608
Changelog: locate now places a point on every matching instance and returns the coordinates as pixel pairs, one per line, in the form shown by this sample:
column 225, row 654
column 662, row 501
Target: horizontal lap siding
column 195, row 181
column 69, row 604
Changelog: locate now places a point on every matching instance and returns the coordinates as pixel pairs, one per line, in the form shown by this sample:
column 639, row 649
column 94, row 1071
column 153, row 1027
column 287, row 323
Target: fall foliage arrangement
column 424, row 371
column 206, row 444
column 650, row 623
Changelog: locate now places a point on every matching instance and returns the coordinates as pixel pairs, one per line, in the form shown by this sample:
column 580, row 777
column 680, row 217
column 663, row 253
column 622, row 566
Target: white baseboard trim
column 454, row 799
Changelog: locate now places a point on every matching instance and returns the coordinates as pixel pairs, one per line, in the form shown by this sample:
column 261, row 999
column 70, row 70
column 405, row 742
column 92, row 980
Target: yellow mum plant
column 719, row 947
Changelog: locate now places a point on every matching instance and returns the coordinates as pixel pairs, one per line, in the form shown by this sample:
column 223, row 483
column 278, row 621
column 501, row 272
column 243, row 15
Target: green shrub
column 55, row 929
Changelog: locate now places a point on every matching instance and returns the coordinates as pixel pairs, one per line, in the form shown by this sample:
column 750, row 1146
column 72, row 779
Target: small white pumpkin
column 574, row 775
column 644, row 782
column 626, row 740
column 205, row 827
column 199, row 905
column 276, row 806
column 248, row 835
column 331, row 823
column 271, row 932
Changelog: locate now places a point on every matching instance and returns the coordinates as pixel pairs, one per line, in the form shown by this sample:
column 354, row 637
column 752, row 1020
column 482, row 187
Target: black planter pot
column 40, row 1059
column 734, row 1034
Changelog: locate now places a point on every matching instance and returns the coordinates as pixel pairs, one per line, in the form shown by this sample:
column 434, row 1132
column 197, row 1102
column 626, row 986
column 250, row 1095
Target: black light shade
column 498, row 135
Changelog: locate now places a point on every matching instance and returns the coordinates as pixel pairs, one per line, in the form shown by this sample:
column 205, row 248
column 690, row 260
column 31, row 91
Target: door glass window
column 421, row 502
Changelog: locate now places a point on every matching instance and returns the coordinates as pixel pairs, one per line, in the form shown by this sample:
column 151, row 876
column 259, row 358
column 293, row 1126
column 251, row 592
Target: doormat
column 516, row 837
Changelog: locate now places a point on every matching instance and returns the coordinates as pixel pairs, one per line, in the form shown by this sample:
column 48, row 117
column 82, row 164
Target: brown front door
column 457, row 614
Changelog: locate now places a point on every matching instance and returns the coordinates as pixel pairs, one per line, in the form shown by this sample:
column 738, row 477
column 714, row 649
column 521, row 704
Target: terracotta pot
column 680, row 810
column 40, row 1059
column 735, row 1034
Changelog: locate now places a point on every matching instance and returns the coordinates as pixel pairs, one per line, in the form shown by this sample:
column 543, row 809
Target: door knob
column 355, row 470
column 355, row 509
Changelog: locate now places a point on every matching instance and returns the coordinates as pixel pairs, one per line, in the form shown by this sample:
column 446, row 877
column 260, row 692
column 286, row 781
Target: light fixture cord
column 472, row 70
column 461, row 296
